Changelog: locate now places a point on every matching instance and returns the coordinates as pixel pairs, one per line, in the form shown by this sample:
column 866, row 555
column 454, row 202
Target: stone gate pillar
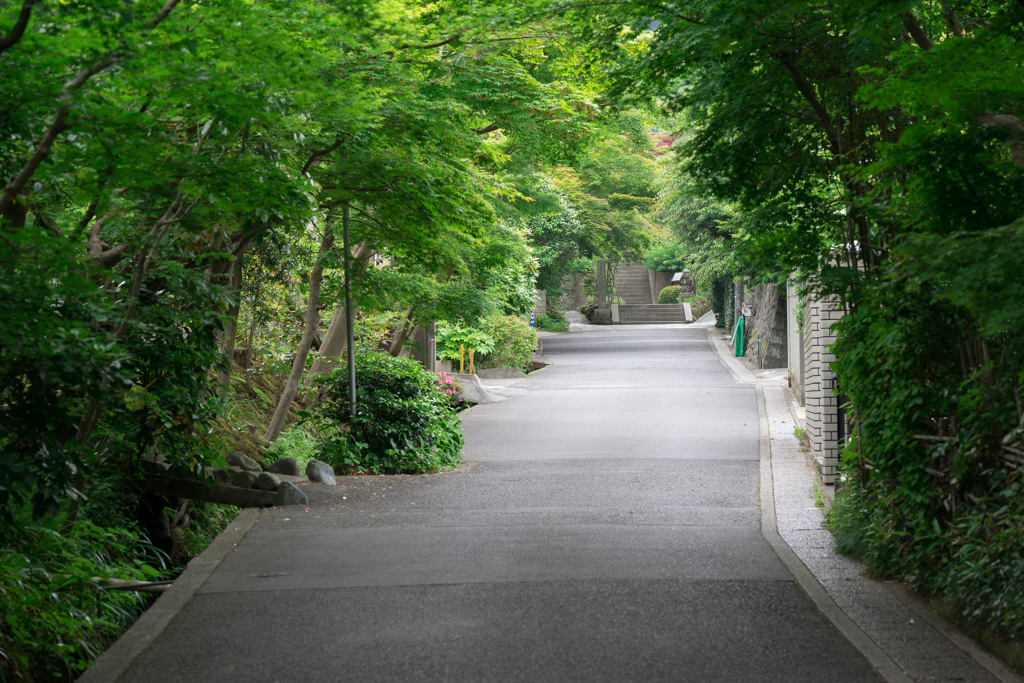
column 603, row 314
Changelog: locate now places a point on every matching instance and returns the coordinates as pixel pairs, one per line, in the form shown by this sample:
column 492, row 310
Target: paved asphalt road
column 605, row 528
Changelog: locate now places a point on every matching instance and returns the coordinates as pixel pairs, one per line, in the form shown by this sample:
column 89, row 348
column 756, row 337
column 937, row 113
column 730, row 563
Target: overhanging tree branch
column 18, row 31
column 59, row 124
column 319, row 153
column 916, row 32
column 446, row 41
column 162, row 14
column 807, row 90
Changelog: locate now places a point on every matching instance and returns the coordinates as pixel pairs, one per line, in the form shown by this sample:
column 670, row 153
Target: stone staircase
column 633, row 284
column 651, row 314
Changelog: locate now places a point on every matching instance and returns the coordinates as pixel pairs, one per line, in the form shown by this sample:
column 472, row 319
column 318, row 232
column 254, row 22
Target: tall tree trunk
column 402, row 334
column 336, row 338
column 334, row 343
column 310, row 323
column 227, row 346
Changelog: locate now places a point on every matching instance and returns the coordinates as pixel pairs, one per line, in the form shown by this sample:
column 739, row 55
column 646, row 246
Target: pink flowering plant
column 452, row 391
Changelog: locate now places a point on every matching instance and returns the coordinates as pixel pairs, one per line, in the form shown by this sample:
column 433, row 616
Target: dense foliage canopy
column 179, row 177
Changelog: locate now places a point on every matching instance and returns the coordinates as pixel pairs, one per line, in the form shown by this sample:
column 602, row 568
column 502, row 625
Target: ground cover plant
column 55, row 618
column 553, row 321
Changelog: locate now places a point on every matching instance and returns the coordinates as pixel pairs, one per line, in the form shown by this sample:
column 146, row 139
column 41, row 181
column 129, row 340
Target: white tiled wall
column 820, row 400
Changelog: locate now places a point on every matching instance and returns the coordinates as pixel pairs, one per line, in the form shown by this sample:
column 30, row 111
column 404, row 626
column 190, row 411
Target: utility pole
column 348, row 314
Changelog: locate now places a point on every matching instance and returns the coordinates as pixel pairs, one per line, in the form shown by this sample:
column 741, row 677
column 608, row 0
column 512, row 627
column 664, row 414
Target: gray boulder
column 223, row 476
column 267, row 482
column 289, row 494
column 243, row 479
column 239, row 459
column 317, row 470
column 286, row 466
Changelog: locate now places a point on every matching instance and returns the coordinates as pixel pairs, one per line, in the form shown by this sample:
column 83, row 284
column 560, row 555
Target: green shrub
column 554, row 321
column 514, row 342
column 721, row 296
column 670, row 295
column 931, row 495
column 403, row 420
column 54, row 619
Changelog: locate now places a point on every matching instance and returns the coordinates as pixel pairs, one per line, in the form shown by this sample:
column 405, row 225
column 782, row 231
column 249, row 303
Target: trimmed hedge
column 670, row 295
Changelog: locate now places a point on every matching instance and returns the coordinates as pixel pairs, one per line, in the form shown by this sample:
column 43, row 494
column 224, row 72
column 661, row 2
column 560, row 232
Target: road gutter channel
column 113, row 663
column 872, row 652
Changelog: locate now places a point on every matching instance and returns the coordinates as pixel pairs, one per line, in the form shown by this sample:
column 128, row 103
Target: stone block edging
column 114, row 662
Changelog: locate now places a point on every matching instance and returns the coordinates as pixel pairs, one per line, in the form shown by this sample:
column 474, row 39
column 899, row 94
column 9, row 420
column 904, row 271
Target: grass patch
column 294, row 442
column 817, row 495
column 56, row 620
column 207, row 521
column 553, row 321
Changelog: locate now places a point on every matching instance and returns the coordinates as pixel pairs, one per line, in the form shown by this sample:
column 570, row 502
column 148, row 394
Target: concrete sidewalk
column 606, row 527
column 919, row 642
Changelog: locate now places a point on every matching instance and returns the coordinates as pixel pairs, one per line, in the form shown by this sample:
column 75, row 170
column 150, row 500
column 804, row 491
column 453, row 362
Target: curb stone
column 114, row 662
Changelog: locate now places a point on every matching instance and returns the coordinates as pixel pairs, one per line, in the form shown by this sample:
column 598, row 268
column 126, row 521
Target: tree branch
column 951, row 22
column 90, row 213
column 446, row 41
column 484, row 131
column 316, row 155
column 691, row 20
column 358, row 189
column 111, row 257
column 59, row 124
column 18, row 31
column 162, row 14
column 500, row 40
column 1013, row 126
column 916, row 32
column 807, row 90
column 93, row 243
